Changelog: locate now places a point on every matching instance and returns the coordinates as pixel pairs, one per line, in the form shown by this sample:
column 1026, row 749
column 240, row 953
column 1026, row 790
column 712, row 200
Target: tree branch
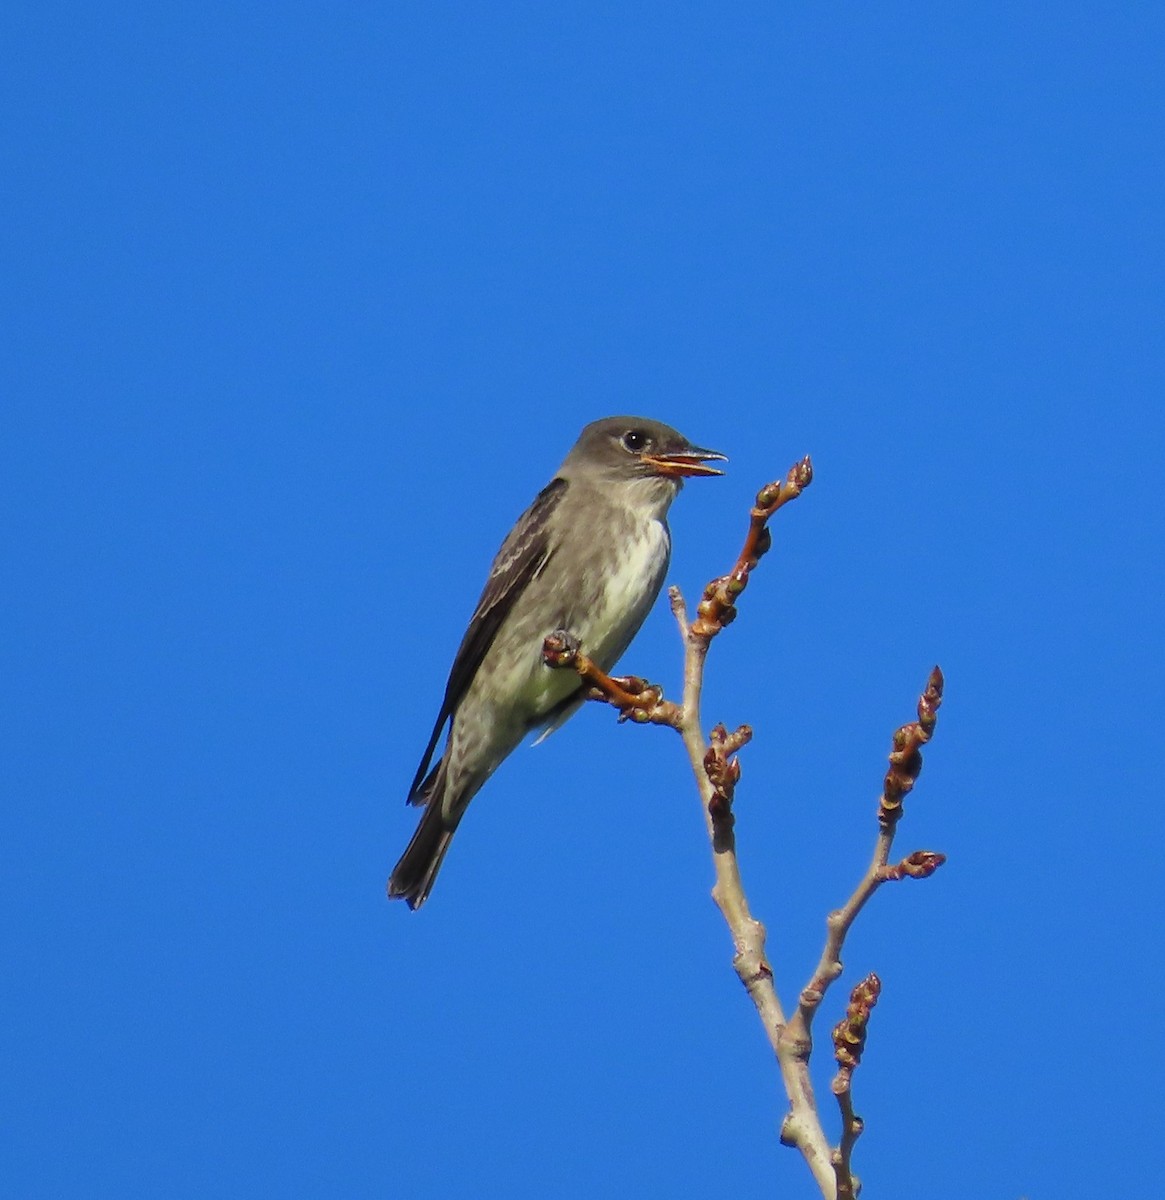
column 849, row 1040
column 718, row 606
column 717, row 772
column 709, row 764
column 905, row 764
column 635, row 698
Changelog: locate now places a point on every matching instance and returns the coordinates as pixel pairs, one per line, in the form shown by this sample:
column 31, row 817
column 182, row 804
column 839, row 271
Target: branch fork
column 717, row 772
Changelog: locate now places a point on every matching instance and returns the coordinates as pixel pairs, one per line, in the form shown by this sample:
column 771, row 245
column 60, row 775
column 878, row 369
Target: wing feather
column 522, row 556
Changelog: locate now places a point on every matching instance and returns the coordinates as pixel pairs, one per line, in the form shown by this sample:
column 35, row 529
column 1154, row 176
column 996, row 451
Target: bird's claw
column 561, row 649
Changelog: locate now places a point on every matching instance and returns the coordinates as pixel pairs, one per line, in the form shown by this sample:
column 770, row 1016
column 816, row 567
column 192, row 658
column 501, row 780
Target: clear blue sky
column 302, row 305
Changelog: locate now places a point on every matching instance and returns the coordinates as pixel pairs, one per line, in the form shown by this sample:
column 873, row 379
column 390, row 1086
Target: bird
column 587, row 559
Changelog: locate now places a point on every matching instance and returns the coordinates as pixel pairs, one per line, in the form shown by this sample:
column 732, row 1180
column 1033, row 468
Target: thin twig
column 717, row 608
column 849, row 1040
column 905, row 764
column 635, row 698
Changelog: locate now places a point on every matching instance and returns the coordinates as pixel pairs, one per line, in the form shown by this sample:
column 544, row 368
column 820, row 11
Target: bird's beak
column 692, row 461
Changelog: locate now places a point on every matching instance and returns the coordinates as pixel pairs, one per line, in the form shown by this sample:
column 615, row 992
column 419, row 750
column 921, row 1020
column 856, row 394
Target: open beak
column 681, row 463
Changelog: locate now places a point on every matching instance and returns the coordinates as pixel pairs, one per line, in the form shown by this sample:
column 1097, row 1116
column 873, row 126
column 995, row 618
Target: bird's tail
column 412, row 878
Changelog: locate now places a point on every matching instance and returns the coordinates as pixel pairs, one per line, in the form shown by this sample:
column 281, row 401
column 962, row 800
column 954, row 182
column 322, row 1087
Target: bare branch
column 718, row 606
column 717, row 771
column 849, row 1040
column 679, row 609
column 716, row 775
column 905, row 764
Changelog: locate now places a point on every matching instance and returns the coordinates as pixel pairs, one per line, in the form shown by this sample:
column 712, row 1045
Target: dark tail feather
column 424, row 790
column 412, row 877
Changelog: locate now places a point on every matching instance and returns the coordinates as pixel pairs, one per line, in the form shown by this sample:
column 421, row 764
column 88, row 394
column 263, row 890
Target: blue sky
column 302, row 307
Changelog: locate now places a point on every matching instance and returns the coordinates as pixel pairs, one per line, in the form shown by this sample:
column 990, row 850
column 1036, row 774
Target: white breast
column 625, row 593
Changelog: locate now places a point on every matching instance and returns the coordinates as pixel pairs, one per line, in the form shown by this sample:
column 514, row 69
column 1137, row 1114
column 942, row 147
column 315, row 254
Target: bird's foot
column 635, row 698
column 561, row 649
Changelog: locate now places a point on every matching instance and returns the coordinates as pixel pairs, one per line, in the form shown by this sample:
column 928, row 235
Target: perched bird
column 588, row 557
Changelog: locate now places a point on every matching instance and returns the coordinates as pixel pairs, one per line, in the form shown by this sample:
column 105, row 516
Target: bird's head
column 635, row 448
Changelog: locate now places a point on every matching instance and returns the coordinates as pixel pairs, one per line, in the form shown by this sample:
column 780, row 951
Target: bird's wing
column 523, row 555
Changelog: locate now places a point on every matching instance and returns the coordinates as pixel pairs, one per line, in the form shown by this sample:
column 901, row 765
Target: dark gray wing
column 523, row 555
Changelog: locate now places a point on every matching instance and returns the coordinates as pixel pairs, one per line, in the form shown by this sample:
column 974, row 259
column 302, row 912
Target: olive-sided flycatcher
column 587, row 557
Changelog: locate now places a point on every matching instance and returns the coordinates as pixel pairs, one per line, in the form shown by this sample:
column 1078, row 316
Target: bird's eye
column 635, row 440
